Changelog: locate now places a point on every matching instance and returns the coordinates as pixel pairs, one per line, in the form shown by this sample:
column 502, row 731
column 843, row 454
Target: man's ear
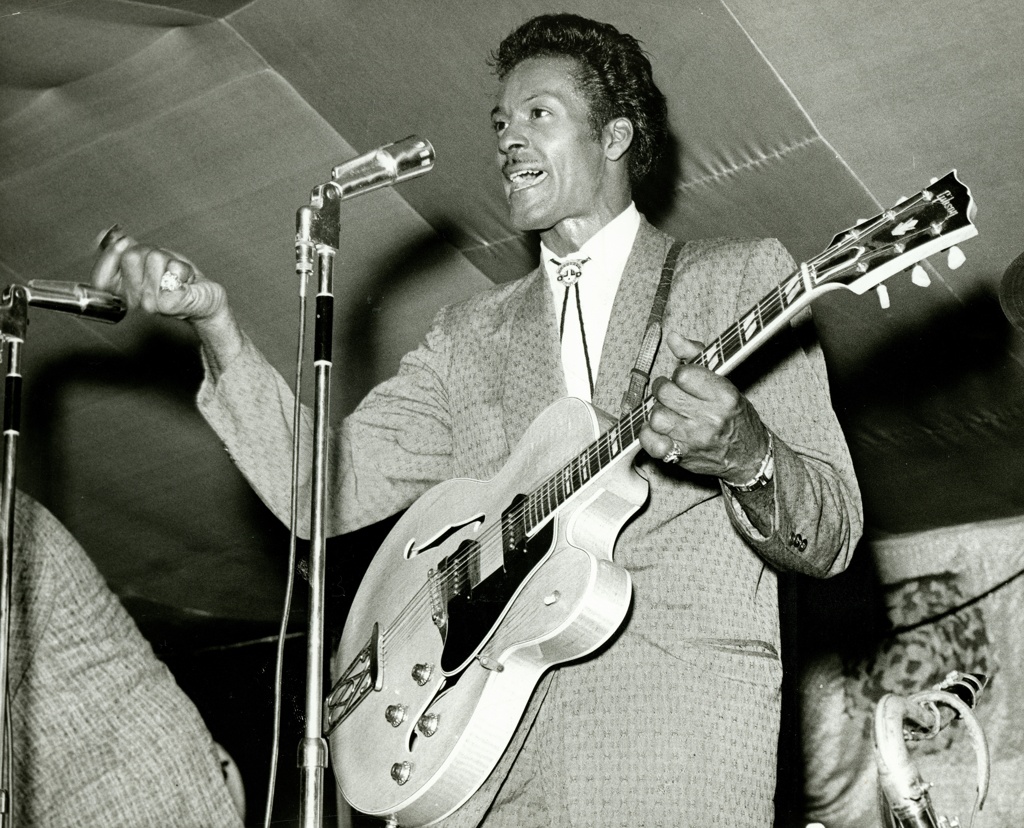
column 618, row 137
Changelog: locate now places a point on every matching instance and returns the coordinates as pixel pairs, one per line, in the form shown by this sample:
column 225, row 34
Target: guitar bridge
column 438, row 610
column 355, row 684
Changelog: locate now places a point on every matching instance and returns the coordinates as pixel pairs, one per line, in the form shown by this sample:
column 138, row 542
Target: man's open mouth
column 521, row 179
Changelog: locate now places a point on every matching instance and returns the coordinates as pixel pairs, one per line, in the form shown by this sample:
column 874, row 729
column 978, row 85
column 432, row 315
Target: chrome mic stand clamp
column 13, row 327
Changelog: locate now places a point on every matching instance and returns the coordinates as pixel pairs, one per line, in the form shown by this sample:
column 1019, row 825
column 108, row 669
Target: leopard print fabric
column 930, row 637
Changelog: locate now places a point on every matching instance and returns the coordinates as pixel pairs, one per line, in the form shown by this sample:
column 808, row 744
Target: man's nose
column 512, row 137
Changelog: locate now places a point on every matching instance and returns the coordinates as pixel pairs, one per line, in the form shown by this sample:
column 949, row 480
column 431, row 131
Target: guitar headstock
column 867, row 254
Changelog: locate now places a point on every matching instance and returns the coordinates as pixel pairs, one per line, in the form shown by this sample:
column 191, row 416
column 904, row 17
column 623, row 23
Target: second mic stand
column 13, row 327
column 318, row 229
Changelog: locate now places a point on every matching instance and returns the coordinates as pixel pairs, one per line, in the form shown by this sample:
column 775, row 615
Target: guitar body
column 452, row 672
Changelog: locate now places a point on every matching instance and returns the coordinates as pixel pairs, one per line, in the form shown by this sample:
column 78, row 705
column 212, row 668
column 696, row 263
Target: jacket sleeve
column 391, row 449
column 813, row 506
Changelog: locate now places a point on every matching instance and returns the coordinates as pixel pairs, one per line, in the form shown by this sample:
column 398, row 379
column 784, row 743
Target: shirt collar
column 609, row 247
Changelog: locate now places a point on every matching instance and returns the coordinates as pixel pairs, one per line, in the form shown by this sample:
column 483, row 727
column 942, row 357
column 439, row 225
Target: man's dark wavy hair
column 613, row 73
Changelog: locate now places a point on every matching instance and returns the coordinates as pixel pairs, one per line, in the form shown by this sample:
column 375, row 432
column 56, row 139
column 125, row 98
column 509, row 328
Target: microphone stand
column 317, row 237
column 13, row 327
column 316, row 244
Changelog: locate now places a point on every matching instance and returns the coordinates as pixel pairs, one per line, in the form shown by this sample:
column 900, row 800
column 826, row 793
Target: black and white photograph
column 447, row 413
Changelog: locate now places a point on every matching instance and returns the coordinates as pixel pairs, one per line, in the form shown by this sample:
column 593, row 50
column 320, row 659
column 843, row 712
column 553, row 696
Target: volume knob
column 427, row 725
column 421, row 674
column 395, row 714
column 400, row 772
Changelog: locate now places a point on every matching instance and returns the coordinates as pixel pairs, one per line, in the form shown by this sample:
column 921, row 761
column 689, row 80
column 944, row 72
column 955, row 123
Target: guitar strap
column 640, row 374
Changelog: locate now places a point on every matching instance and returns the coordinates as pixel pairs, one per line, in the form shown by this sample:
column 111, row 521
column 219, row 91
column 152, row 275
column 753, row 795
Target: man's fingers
column 684, row 349
column 107, row 269
column 177, row 276
column 155, row 279
column 193, row 299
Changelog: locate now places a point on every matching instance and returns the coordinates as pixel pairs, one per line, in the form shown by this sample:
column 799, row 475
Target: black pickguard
column 473, row 611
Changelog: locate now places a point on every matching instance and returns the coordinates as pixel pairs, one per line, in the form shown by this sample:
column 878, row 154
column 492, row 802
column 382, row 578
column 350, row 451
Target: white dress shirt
column 606, row 252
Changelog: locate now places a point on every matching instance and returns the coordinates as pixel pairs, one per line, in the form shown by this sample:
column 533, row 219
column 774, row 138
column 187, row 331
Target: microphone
column 82, row 300
column 1011, row 293
column 384, row 166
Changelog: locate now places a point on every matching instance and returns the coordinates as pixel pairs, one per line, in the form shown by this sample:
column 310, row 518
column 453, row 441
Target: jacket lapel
column 630, row 311
column 534, row 369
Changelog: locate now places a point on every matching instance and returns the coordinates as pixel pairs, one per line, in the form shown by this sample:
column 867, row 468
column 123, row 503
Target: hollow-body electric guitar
column 483, row 586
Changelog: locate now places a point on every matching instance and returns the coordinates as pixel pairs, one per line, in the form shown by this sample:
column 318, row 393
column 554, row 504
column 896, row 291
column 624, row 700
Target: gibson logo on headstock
column 946, row 199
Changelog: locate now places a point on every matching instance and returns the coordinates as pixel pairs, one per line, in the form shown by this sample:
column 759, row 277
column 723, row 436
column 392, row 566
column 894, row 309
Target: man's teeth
column 526, row 178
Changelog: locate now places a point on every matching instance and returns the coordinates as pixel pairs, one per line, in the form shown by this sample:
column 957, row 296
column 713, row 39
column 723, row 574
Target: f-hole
column 412, row 550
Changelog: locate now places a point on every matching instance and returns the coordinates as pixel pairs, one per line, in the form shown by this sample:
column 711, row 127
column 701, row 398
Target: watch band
column 764, row 474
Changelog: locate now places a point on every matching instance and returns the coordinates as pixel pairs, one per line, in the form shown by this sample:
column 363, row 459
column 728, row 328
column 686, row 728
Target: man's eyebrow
column 530, row 100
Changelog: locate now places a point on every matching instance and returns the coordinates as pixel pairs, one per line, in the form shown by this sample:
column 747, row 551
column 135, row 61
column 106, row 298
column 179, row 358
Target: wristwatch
column 764, row 475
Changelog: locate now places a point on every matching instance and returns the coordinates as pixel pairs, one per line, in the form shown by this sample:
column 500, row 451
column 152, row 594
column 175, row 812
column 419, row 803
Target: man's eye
column 538, row 113
column 498, row 125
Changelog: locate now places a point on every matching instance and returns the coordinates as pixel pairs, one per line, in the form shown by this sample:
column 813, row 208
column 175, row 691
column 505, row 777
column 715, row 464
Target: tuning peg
column 920, row 277
column 883, row 296
column 956, row 258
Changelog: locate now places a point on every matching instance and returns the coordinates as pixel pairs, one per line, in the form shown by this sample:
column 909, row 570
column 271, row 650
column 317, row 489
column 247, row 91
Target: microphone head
column 384, row 166
column 81, row 300
column 412, row 156
column 1011, row 293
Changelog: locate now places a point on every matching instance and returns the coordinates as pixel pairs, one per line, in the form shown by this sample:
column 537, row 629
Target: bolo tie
column 568, row 274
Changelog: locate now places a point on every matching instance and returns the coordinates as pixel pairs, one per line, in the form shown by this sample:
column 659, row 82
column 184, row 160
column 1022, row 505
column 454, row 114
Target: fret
column 793, row 288
column 613, row 441
column 731, row 343
column 607, row 447
column 627, row 431
column 750, row 325
column 577, row 474
column 713, row 356
column 776, row 302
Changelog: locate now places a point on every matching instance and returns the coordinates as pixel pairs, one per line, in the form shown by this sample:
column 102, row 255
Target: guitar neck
column 758, row 324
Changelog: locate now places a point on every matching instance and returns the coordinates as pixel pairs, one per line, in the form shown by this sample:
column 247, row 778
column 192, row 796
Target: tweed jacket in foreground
column 101, row 733
column 676, row 722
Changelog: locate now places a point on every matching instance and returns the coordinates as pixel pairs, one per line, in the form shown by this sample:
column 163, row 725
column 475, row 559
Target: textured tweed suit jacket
column 675, row 722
